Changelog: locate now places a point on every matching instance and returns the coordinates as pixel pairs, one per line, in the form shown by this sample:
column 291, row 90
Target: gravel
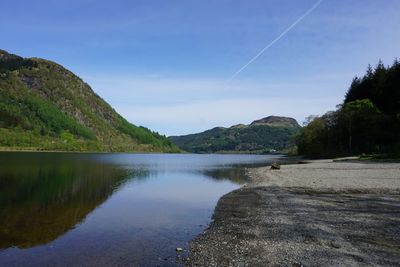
column 319, row 214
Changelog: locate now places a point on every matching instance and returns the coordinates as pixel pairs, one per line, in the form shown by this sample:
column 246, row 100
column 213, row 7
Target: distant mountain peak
column 266, row 135
column 276, row 121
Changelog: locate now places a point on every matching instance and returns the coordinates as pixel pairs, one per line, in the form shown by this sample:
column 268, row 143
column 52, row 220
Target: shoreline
column 88, row 152
column 323, row 213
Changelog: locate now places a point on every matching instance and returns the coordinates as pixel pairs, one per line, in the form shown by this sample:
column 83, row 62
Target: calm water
column 109, row 209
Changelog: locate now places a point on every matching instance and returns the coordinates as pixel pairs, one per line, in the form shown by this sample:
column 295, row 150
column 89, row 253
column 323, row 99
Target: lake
column 68, row 209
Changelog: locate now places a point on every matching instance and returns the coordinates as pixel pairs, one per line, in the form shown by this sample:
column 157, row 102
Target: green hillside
column 43, row 106
column 261, row 136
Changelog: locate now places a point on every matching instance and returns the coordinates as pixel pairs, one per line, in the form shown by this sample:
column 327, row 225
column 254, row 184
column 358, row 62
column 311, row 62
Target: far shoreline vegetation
column 367, row 123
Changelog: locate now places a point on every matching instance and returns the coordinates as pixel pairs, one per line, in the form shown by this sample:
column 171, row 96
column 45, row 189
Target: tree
column 360, row 119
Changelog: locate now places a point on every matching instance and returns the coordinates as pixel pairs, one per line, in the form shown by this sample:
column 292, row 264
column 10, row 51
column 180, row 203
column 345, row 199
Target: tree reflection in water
column 43, row 196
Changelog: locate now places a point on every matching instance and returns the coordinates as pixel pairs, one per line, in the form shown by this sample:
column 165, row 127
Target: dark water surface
column 63, row 209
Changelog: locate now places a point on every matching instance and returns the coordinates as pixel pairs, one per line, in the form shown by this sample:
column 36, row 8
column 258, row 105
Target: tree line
column 368, row 120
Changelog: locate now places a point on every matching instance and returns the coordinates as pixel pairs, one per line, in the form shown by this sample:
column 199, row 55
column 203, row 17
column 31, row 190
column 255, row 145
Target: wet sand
column 319, row 214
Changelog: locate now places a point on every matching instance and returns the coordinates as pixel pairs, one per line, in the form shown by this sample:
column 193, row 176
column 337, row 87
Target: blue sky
column 166, row 64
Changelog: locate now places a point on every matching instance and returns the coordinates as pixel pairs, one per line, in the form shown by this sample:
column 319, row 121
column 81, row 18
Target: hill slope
column 270, row 133
column 46, row 107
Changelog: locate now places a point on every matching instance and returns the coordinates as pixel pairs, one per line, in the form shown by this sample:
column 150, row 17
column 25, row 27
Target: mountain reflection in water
column 69, row 209
column 43, row 199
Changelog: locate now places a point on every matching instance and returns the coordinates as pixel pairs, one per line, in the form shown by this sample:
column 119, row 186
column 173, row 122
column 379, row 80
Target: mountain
column 276, row 121
column 44, row 106
column 261, row 136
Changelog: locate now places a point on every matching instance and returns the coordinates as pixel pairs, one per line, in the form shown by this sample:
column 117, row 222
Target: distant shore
column 7, row 149
column 323, row 213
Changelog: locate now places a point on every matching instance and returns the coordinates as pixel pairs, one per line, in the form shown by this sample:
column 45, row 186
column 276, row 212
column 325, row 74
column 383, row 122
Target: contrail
column 277, row 38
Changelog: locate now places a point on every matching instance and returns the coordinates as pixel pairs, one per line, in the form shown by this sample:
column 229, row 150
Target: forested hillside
column 43, row 106
column 261, row 136
column 368, row 121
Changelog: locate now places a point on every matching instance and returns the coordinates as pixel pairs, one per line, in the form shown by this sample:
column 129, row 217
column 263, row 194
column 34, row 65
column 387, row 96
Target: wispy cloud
column 180, row 106
column 157, row 90
column 199, row 116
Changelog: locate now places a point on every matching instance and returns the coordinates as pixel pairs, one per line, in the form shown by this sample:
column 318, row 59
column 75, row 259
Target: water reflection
column 43, row 197
column 109, row 209
column 233, row 174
